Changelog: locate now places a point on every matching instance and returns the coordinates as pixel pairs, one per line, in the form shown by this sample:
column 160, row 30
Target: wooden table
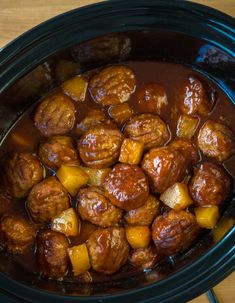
column 17, row 16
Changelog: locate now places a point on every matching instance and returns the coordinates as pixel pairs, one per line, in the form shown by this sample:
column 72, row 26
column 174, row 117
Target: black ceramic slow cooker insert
column 171, row 31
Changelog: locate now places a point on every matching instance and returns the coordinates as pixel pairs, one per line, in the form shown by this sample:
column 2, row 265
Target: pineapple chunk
column 72, row 178
column 96, row 176
column 66, row 222
column 222, row 228
column 207, row 217
column 131, row 151
column 75, row 88
column 177, row 196
column 79, row 259
column 66, row 69
column 120, row 113
column 138, row 236
column 186, row 126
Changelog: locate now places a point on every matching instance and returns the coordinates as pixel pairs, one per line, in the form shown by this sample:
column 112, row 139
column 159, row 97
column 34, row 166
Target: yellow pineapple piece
column 79, row 259
column 66, row 69
column 131, row 151
column 207, row 217
column 186, row 126
column 72, row 178
column 75, row 88
column 66, row 222
column 177, row 196
column 120, row 113
column 96, row 176
column 138, row 236
column 222, row 228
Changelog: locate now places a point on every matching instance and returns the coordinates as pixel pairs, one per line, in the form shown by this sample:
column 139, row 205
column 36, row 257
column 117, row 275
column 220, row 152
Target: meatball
column 188, row 150
column 144, row 258
column 210, row 185
column 58, row 150
column 21, row 172
column 174, row 232
column 47, row 199
column 151, row 98
column 126, row 186
column 100, row 146
column 112, row 85
column 149, row 129
column 55, row 115
column 93, row 118
column 216, row 140
column 52, row 254
column 108, row 249
column 16, row 234
column 93, row 206
column 196, row 97
column 164, row 166
column 145, row 214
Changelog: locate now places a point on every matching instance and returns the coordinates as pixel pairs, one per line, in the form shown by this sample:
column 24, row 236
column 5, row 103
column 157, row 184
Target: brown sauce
column 23, row 136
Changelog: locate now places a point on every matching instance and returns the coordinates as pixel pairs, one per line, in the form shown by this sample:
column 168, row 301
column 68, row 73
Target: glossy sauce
column 23, row 136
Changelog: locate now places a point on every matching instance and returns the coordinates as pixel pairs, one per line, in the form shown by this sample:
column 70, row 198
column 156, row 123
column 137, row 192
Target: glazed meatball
column 93, row 206
column 174, row 232
column 196, row 97
column 151, row 98
column 112, row 85
column 93, row 118
column 55, row 115
column 108, row 249
column 149, row 129
column 126, row 186
column 210, row 185
column 58, row 150
column 216, row 140
column 52, row 254
column 21, row 172
column 47, row 199
column 144, row 258
column 164, row 166
column 145, row 214
column 16, row 234
column 188, row 150
column 100, row 146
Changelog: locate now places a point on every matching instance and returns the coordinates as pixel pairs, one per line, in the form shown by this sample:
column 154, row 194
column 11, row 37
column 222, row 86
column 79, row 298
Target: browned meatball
column 126, row 186
column 21, row 172
column 149, row 129
column 188, row 150
column 100, row 146
column 52, row 254
column 58, row 150
column 144, row 258
column 93, row 206
column 151, row 98
column 216, row 140
column 112, row 85
column 47, row 199
column 210, row 185
column 174, row 232
column 108, row 249
column 145, row 214
column 55, row 115
column 164, row 166
column 16, row 234
column 93, row 118
column 196, row 97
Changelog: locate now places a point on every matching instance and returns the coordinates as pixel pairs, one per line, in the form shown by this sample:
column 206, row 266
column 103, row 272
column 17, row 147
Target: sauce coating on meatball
column 126, row 186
